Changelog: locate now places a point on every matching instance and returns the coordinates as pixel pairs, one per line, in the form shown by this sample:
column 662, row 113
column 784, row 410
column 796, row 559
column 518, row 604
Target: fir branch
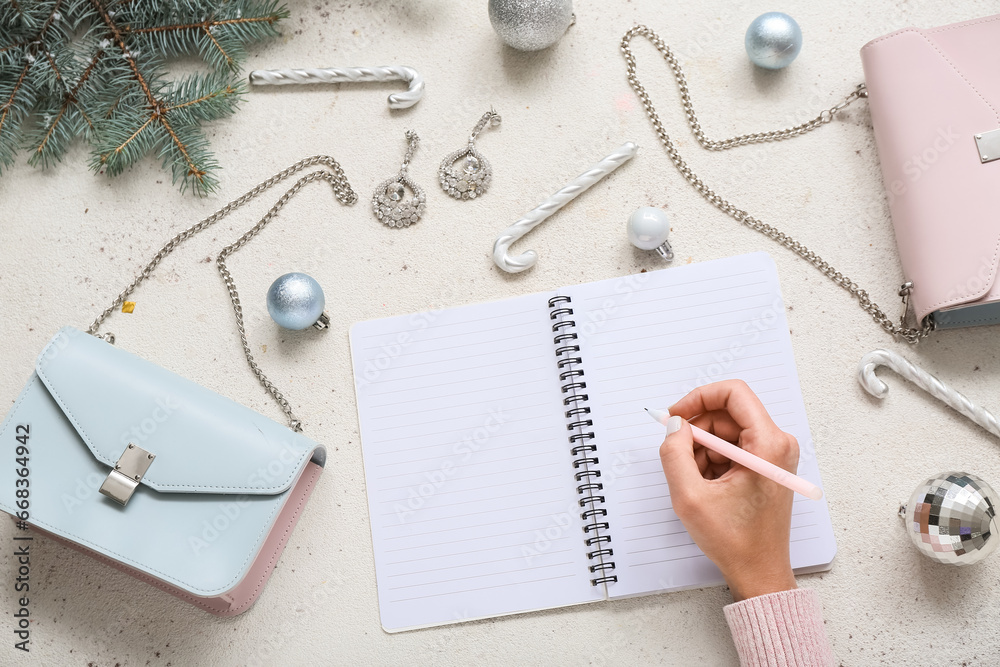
column 196, row 152
column 53, row 136
column 85, row 76
column 54, row 16
column 95, row 69
column 52, row 128
column 205, row 96
column 156, row 107
column 125, row 144
column 119, row 41
column 15, row 12
column 8, row 107
column 16, row 105
column 222, row 52
column 208, row 24
column 219, row 41
column 15, row 45
column 52, row 64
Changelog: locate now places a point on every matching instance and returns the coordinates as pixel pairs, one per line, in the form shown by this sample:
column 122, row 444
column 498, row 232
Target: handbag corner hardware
column 128, row 472
column 988, row 144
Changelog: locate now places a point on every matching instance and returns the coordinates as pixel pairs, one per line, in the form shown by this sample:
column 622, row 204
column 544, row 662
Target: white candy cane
column 924, row 380
column 574, row 189
column 284, row 77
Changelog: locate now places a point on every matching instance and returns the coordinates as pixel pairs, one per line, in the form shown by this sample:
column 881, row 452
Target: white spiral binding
column 536, row 216
column 924, row 380
column 284, row 77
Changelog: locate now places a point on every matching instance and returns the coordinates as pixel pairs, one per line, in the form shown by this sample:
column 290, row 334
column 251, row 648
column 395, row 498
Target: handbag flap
column 930, row 93
column 203, row 442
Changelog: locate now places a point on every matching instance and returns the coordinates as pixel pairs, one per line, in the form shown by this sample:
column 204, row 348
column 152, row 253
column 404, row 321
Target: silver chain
column 341, row 188
column 909, row 334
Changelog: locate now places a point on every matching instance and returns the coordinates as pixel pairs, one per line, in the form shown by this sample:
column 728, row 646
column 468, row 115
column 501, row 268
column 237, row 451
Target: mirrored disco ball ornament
column 295, row 301
column 950, row 518
column 773, row 40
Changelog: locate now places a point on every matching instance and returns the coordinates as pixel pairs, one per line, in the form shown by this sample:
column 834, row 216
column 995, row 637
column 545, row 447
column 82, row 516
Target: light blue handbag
column 155, row 474
column 199, row 516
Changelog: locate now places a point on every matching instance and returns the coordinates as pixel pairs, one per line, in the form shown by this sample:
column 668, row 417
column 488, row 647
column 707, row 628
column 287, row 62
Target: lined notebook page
column 470, row 481
column 649, row 339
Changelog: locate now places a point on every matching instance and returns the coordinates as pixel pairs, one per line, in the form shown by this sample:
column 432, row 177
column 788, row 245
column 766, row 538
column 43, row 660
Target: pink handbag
column 935, row 106
column 934, row 97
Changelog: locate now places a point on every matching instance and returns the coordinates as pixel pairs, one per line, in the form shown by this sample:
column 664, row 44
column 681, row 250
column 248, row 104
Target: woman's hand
column 740, row 519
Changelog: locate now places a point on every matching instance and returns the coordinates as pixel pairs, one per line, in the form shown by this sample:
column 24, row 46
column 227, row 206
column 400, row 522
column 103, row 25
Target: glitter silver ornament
column 773, row 40
column 530, row 25
column 296, row 301
column 950, row 518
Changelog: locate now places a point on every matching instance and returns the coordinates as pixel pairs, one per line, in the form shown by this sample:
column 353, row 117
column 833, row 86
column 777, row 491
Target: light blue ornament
column 296, row 301
column 773, row 40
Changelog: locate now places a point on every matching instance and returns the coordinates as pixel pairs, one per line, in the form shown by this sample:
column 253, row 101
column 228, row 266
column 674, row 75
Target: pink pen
column 746, row 459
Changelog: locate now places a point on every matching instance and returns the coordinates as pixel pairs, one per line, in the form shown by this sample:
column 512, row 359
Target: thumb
column 677, row 456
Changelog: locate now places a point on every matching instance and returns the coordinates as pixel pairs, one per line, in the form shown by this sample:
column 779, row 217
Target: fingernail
column 674, row 424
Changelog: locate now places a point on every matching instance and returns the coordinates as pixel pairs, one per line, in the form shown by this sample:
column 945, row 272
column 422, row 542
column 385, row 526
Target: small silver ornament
column 648, row 229
column 773, row 40
column 950, row 518
column 531, row 25
column 296, row 301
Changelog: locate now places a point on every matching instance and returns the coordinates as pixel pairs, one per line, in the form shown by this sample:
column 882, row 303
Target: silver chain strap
column 909, row 334
column 341, row 188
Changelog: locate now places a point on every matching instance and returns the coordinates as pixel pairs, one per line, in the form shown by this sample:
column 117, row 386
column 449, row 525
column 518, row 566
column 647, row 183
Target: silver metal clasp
column 323, row 322
column 988, row 144
column 128, row 472
column 665, row 251
column 904, row 293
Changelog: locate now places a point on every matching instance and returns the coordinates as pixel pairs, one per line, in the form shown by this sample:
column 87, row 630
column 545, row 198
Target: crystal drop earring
column 473, row 174
column 389, row 201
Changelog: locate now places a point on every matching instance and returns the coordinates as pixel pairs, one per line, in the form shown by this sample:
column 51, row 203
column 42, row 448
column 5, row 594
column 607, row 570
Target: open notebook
column 510, row 466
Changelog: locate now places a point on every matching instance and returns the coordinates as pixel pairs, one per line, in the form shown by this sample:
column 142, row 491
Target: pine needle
column 95, row 70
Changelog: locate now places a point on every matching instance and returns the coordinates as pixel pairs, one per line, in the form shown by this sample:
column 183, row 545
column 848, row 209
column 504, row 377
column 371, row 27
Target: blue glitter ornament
column 773, row 40
column 296, row 301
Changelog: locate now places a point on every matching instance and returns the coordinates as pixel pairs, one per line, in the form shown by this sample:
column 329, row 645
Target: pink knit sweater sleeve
column 780, row 630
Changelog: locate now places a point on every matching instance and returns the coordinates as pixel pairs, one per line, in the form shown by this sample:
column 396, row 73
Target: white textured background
column 71, row 240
